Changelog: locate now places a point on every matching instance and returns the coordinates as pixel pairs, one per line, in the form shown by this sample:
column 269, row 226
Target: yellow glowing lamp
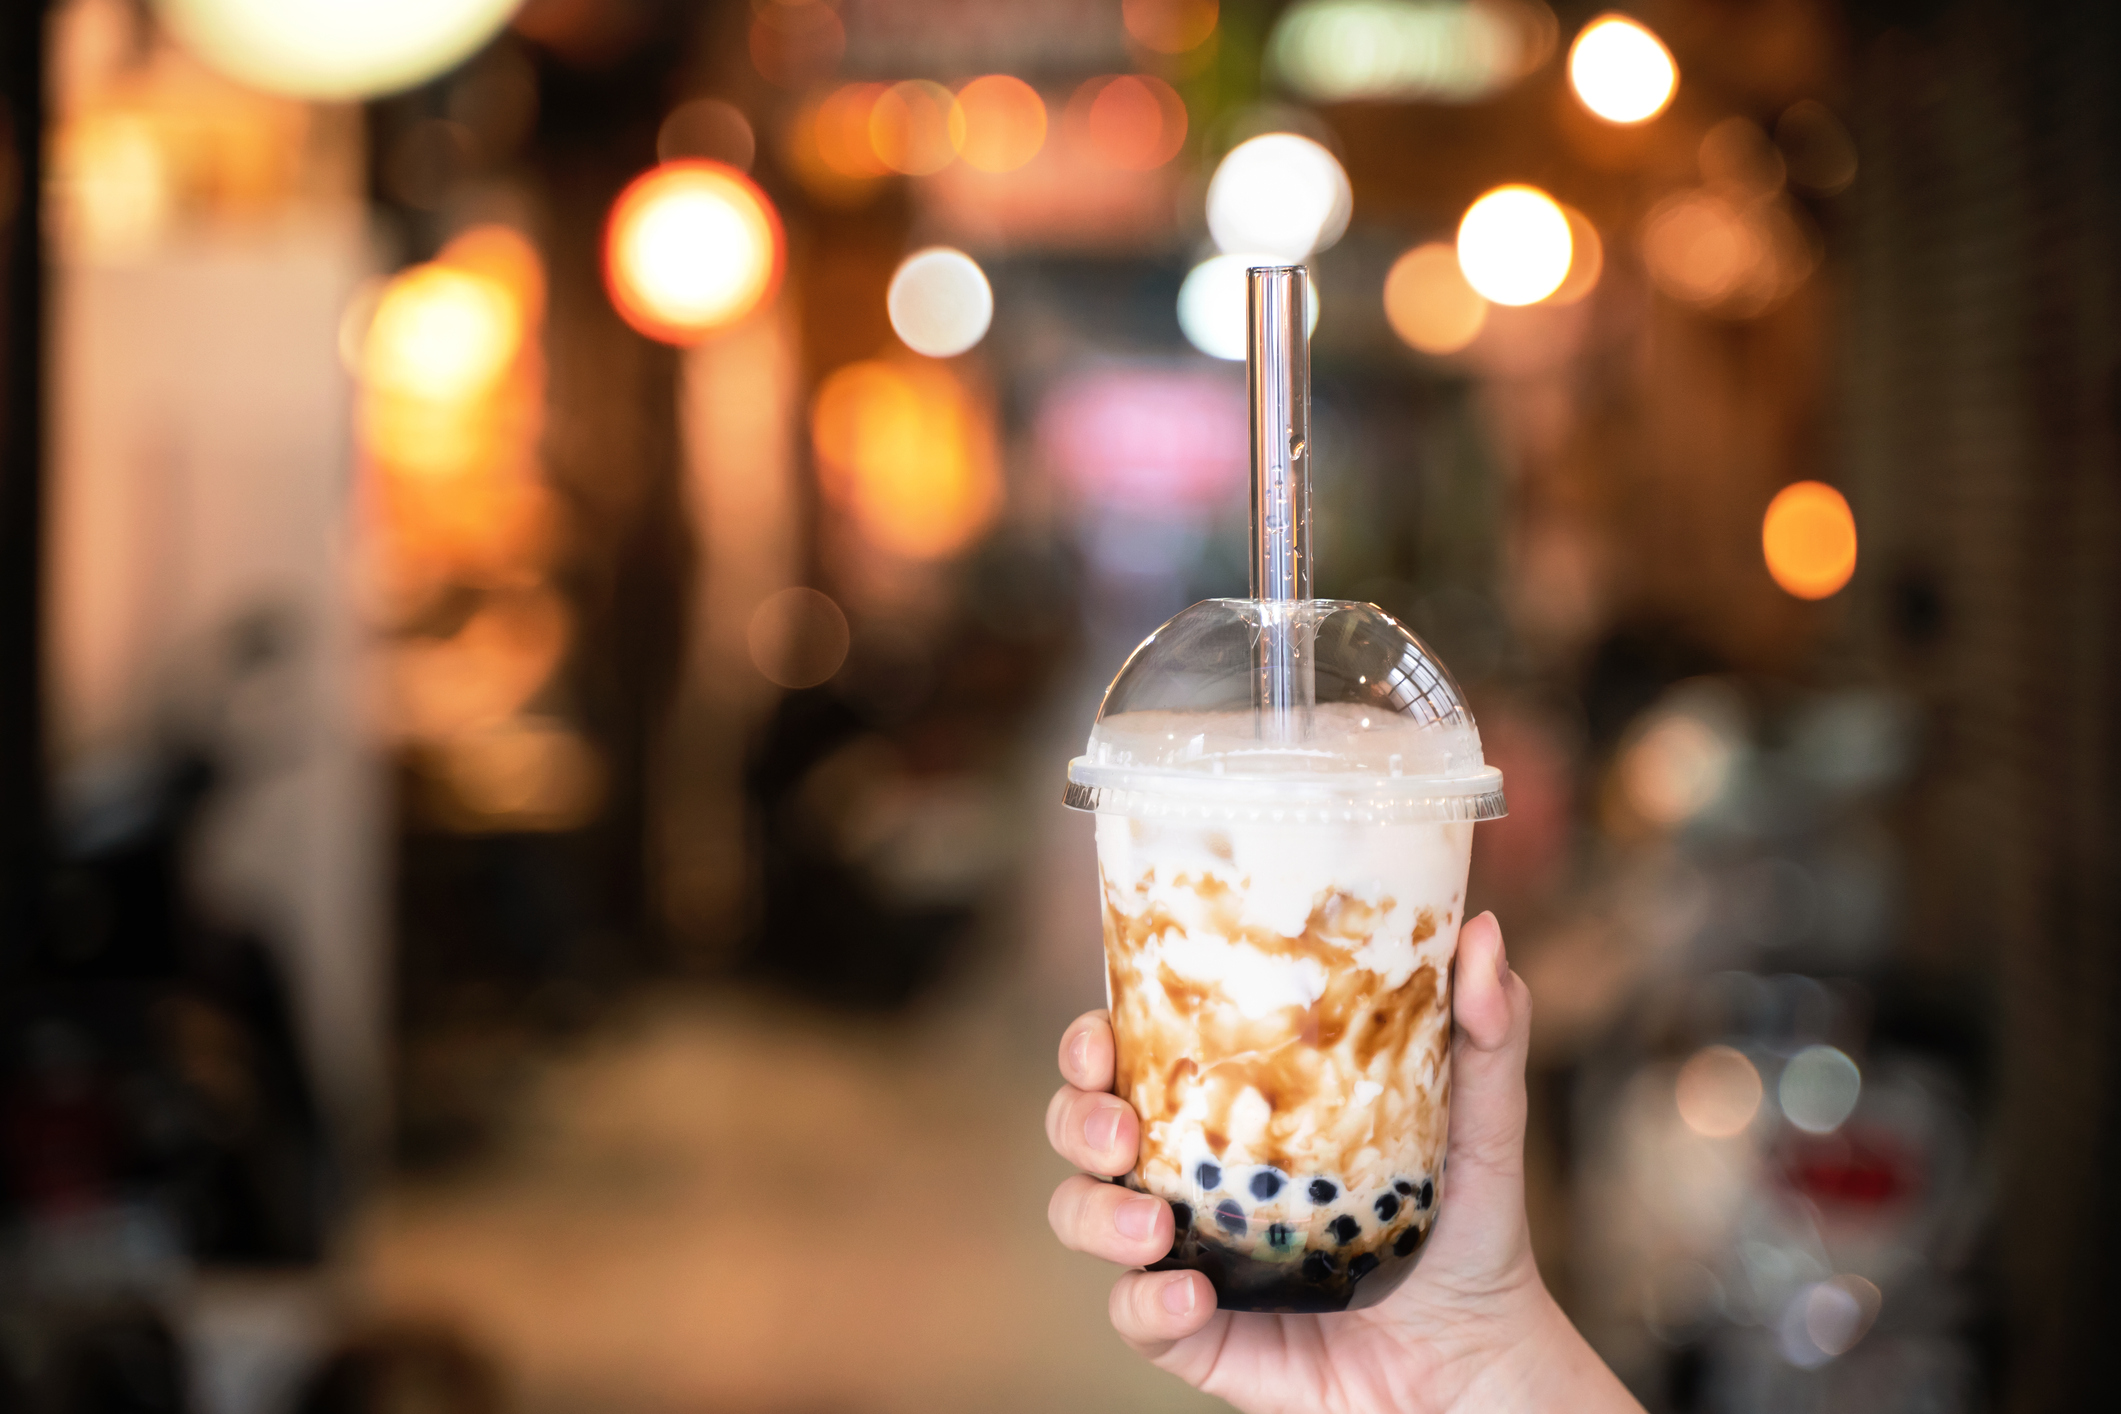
column 1621, row 71
column 691, row 247
column 1809, row 539
column 334, row 49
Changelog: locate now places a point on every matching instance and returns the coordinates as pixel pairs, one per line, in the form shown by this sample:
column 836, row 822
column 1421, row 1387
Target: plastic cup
column 1283, row 887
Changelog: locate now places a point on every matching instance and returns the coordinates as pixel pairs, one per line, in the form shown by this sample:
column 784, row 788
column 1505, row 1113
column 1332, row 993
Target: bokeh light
column 1819, row 1089
column 1621, row 71
column 330, row 49
column 798, row 638
column 1586, row 260
column 1279, row 193
column 526, row 773
column 1133, row 122
column 440, row 334
column 1826, row 1319
column 710, row 129
column 1002, row 121
column 916, row 128
column 1211, row 304
column 1336, row 51
column 940, row 302
column 1676, row 768
column 1170, row 26
column 794, row 42
column 1514, row 245
column 840, row 130
column 1808, row 537
column 906, row 450
column 1428, row 302
column 691, row 247
column 1719, row 1092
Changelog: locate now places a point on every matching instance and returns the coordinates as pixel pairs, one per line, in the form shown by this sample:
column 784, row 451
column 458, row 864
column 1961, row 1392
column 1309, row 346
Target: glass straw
column 1278, row 365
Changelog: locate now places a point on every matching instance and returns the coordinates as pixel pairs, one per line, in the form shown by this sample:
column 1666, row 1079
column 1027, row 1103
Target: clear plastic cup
column 1284, row 873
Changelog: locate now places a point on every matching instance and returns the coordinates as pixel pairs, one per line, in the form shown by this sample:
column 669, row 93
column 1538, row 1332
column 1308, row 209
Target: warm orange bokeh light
column 1134, row 122
column 1170, row 26
column 1586, row 260
column 840, row 128
column 1001, row 122
column 1428, row 302
column 915, row 127
column 441, row 335
column 691, row 247
column 909, row 453
column 1809, row 539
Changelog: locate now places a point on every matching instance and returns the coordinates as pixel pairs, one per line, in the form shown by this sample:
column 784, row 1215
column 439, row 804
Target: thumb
column 1493, row 1011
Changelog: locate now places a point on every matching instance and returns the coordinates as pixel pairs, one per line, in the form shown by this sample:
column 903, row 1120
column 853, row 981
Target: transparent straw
column 1278, row 366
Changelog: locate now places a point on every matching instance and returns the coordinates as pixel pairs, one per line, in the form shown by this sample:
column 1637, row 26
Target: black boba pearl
column 1344, row 1229
column 1428, row 1194
column 1181, row 1218
column 1318, row 1267
column 1229, row 1217
column 1362, row 1266
column 1278, row 1235
column 1323, row 1190
column 1406, row 1189
column 1265, row 1184
column 1388, row 1207
column 1208, row 1176
column 1408, row 1241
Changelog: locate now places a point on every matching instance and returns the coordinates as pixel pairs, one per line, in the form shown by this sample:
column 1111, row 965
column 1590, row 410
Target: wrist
column 1546, row 1365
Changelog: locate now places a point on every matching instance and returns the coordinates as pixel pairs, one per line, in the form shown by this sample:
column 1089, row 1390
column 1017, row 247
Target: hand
column 1472, row 1328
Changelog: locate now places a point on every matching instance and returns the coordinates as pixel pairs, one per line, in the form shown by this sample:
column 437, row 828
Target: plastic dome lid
column 1379, row 732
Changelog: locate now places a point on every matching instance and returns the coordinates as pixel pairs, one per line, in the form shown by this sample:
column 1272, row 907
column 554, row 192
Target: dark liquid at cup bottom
column 1311, row 1280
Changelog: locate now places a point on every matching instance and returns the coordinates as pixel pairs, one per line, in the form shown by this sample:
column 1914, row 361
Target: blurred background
column 553, row 552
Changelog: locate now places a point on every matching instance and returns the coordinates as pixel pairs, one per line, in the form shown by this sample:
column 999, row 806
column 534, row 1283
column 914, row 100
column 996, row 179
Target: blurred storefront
column 576, row 538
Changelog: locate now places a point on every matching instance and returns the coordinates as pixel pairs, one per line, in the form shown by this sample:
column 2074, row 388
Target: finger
column 1164, row 1314
column 1108, row 1221
column 1493, row 1009
column 1098, row 1133
column 1086, row 1051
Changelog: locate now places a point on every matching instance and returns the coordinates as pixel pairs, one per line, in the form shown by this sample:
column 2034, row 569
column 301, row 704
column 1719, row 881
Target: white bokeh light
column 1621, row 71
column 1280, row 194
column 1819, row 1089
column 940, row 302
column 334, row 49
column 1514, row 245
column 1211, row 304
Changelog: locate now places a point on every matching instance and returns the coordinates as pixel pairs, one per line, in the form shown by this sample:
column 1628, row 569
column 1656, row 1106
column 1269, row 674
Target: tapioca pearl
column 1426, row 1199
column 1230, row 1217
column 1362, row 1266
column 1181, row 1218
column 1344, row 1229
column 1279, row 1236
column 1324, row 1190
column 1387, row 1207
column 1266, row 1183
column 1403, row 1188
column 1409, row 1240
column 1318, row 1267
column 1209, row 1177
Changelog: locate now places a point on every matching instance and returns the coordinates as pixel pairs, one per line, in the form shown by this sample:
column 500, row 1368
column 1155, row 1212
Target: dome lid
column 1376, row 732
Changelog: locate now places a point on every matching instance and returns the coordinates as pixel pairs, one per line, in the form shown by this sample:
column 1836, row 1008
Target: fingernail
column 1177, row 1296
column 1502, row 963
column 1079, row 1052
column 1136, row 1218
column 1101, row 1130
